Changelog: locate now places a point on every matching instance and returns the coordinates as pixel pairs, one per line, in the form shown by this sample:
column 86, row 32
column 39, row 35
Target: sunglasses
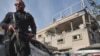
column 18, row 4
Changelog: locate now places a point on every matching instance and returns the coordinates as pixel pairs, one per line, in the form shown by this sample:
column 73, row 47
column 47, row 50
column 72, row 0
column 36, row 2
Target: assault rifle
column 15, row 37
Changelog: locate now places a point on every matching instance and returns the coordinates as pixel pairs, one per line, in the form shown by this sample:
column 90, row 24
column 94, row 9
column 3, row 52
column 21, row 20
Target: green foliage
column 98, row 6
column 95, row 9
column 92, row 3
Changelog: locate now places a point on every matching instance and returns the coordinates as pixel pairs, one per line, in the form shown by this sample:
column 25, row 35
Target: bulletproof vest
column 21, row 20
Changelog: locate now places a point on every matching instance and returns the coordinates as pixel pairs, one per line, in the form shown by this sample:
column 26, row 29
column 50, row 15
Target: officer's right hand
column 10, row 27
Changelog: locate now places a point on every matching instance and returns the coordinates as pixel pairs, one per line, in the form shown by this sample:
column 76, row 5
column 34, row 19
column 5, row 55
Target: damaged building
column 72, row 32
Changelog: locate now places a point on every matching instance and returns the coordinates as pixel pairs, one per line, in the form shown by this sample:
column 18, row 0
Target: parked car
column 93, row 50
column 61, row 54
column 37, row 48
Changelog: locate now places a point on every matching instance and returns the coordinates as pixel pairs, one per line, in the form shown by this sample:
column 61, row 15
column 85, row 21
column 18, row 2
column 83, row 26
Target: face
column 19, row 5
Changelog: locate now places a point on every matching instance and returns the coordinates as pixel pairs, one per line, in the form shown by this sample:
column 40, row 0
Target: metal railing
column 70, row 10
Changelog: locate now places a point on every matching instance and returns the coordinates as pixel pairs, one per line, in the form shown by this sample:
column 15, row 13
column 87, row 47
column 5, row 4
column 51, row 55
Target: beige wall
column 68, row 40
column 70, row 43
column 83, row 42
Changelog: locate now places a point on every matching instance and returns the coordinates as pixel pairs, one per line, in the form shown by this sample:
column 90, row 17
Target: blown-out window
column 39, row 36
column 77, row 37
column 60, row 41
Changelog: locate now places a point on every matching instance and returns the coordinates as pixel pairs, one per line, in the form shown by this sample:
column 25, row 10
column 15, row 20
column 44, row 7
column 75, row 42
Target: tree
column 96, row 8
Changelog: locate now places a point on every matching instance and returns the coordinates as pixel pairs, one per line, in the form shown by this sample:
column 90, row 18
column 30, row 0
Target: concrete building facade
column 72, row 32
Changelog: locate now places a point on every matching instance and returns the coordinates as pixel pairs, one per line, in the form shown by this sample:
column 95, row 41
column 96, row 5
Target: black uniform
column 24, row 21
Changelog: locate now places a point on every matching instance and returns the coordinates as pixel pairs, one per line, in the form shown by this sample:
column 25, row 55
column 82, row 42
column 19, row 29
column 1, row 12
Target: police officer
column 24, row 21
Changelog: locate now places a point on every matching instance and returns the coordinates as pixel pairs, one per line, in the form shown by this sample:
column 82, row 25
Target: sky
column 41, row 10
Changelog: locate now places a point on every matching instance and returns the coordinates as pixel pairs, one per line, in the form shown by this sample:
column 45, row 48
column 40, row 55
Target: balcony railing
column 70, row 10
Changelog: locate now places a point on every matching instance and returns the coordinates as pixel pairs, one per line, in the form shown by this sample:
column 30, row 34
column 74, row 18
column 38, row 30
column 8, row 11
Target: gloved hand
column 31, row 35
